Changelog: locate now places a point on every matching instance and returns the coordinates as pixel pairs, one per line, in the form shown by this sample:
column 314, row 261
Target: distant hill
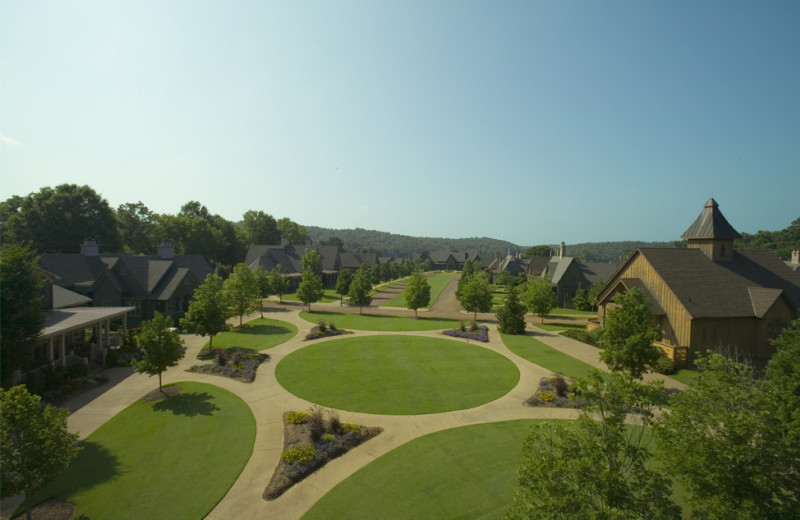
column 405, row 246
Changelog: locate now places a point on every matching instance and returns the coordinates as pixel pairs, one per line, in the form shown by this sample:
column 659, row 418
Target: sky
column 528, row 121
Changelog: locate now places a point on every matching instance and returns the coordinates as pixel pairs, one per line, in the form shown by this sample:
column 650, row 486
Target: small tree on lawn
column 511, row 315
column 159, row 345
column 310, row 289
column 243, row 290
column 35, row 444
column 264, row 286
column 581, row 299
column 628, row 334
column 278, row 282
column 343, row 283
column 360, row 289
column 540, row 298
column 475, row 295
column 418, row 292
column 208, row 311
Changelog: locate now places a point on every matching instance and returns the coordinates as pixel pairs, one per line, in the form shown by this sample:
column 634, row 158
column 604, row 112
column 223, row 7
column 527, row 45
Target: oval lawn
column 397, row 375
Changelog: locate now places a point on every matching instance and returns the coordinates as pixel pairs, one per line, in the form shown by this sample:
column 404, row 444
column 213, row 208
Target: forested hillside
column 610, row 251
column 402, row 246
column 782, row 242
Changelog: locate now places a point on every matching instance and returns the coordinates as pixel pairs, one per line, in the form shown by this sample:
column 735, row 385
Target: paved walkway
column 268, row 400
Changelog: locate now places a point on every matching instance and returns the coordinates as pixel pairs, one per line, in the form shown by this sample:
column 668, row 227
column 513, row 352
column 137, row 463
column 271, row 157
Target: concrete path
column 268, row 400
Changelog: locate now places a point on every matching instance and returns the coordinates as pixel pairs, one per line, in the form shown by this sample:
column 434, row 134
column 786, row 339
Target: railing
column 72, row 359
column 678, row 354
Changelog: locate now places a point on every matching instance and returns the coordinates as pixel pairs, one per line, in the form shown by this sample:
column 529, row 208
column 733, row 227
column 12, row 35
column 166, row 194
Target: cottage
column 708, row 295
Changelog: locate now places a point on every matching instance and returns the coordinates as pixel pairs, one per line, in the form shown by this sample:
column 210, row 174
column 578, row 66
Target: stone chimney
column 284, row 242
column 562, row 250
column 796, row 257
column 90, row 248
column 166, row 250
column 308, row 241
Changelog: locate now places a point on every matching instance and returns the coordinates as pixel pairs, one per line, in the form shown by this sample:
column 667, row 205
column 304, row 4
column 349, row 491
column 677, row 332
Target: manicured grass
column 687, row 376
column 437, row 282
column 463, row 473
column 328, row 295
column 260, row 334
column 397, row 375
column 546, row 356
column 572, row 312
column 379, row 323
column 560, row 326
column 173, row 458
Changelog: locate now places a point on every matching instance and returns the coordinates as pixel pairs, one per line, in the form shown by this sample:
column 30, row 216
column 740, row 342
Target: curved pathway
column 268, row 400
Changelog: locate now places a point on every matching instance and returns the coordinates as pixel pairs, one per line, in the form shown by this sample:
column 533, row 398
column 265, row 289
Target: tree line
column 58, row 220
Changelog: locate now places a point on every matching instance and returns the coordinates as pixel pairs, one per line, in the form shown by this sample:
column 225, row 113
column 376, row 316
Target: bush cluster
column 237, row 363
column 323, row 330
column 296, row 417
column 553, row 391
column 54, row 384
column 475, row 332
column 590, row 338
column 665, row 366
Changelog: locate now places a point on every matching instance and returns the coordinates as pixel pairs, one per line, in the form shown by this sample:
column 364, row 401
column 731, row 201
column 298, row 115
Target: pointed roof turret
column 711, row 224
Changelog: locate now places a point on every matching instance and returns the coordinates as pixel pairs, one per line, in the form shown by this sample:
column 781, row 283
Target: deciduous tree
column 310, row 289
column 243, row 291
column 725, row 439
column 595, row 468
column 278, row 282
column 137, row 228
column 476, row 296
column 21, row 309
column 628, row 334
column 343, row 283
column 260, row 228
column 294, row 233
column 360, row 289
column 159, row 345
column 540, row 298
column 209, row 310
column 35, row 443
column 418, row 292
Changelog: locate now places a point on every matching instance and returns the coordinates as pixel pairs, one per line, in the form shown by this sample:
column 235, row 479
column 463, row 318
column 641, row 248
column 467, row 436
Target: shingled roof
column 723, row 290
column 711, row 224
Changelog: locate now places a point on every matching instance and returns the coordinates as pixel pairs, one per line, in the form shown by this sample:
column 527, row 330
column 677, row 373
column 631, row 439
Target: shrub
column 296, row 417
column 316, row 422
column 321, row 326
column 328, row 437
column 111, row 357
column 473, row 327
column 237, row 358
column 222, row 357
column 334, row 423
column 462, row 327
column 79, row 370
column 560, row 385
column 332, row 326
column 665, row 366
column 299, row 454
column 351, row 428
column 547, row 397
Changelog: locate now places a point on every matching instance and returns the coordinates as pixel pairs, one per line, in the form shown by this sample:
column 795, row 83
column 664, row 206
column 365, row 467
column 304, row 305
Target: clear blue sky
column 533, row 122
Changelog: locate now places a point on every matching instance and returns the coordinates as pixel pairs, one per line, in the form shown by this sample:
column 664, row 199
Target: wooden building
column 709, row 296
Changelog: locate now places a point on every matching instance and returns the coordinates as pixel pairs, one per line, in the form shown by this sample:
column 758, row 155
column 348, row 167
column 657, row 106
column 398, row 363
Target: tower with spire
column 712, row 234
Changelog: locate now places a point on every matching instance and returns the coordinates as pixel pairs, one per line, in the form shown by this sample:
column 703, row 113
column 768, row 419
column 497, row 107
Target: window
column 137, row 304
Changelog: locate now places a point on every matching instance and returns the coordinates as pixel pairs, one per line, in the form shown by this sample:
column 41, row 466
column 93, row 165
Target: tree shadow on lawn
column 263, row 330
column 93, row 466
column 187, row 404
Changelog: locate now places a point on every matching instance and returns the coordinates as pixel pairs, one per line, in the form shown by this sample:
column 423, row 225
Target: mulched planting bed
column 553, row 392
column 475, row 333
column 302, row 455
column 164, row 393
column 240, row 364
column 53, row 509
column 325, row 331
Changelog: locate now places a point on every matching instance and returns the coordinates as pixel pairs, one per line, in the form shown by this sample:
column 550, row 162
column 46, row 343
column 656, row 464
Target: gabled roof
column 708, row 289
column 537, row 264
column 64, row 298
column 635, row 283
column 557, row 268
column 711, row 224
column 763, row 299
column 597, row 271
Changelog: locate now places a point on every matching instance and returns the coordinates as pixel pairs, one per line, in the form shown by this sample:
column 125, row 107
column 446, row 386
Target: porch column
column 50, row 352
column 98, row 340
column 125, row 324
column 62, row 350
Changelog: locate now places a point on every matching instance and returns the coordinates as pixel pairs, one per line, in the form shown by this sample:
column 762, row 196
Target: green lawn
column 174, row 458
column 437, row 281
column 560, row 326
column 688, row 376
column 465, row 473
column 328, row 295
column 379, row 323
column 546, row 356
column 397, row 375
column 261, row 333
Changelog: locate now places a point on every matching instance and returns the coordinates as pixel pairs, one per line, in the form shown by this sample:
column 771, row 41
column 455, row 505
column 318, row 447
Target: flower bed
column 324, row 331
column 475, row 332
column 553, row 392
column 309, row 442
column 237, row 363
